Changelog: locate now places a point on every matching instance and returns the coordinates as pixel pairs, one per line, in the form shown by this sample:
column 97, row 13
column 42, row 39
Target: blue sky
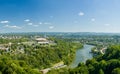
column 59, row 15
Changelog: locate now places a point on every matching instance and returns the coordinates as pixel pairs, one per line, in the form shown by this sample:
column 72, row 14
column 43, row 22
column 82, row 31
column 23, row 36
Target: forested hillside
column 30, row 59
column 109, row 63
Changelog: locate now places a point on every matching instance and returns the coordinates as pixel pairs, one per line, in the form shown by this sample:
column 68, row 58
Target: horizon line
column 61, row 32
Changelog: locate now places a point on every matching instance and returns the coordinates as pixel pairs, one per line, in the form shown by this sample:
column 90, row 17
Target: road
column 55, row 66
column 103, row 50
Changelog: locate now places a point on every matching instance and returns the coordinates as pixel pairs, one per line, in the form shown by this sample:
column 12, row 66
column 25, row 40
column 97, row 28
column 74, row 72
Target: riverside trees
column 109, row 63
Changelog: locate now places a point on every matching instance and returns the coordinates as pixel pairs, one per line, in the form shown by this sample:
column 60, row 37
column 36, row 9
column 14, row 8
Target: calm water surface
column 82, row 55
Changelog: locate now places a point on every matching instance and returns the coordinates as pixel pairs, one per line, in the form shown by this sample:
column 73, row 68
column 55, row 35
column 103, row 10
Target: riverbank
column 82, row 55
column 55, row 66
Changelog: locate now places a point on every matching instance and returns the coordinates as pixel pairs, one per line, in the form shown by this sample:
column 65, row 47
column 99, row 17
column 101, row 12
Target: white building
column 42, row 41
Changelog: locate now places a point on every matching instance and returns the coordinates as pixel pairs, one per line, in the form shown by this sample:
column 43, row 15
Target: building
column 42, row 40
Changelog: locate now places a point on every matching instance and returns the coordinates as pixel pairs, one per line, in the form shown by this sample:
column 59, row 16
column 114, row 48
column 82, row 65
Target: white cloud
column 81, row 14
column 13, row 27
column 47, row 23
column 51, row 27
column 4, row 22
column 40, row 23
column 30, row 23
column 27, row 20
column 107, row 24
column 93, row 19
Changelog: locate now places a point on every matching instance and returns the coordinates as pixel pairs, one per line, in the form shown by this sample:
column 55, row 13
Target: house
column 4, row 48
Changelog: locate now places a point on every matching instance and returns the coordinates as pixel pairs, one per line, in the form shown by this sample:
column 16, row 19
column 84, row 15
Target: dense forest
column 30, row 59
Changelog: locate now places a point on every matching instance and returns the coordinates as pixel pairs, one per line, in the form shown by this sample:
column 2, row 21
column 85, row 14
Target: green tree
column 116, row 71
column 101, row 71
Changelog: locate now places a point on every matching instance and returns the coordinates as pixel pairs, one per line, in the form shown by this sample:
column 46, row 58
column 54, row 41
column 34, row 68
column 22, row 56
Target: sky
column 60, row 16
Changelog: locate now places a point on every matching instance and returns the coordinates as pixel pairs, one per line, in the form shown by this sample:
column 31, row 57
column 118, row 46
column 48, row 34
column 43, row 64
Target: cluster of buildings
column 10, row 37
column 38, row 40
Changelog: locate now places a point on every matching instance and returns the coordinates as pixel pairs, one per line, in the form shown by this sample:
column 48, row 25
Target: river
column 82, row 55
